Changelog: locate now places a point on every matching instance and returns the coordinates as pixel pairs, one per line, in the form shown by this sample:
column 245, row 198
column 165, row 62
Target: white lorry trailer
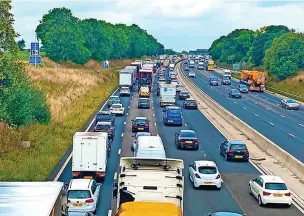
column 167, row 94
column 147, row 185
column 191, row 64
column 33, row 198
column 90, row 155
column 126, row 78
column 171, row 67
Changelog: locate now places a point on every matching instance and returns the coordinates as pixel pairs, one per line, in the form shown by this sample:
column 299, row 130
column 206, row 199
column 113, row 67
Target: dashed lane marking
column 268, row 109
column 256, row 115
column 119, row 150
column 301, row 125
column 155, row 123
column 125, row 123
column 129, row 107
column 244, row 108
column 127, row 114
column 282, row 116
column 234, row 102
column 186, row 125
column 115, row 175
column 290, row 134
column 122, row 135
column 271, row 123
column 153, row 114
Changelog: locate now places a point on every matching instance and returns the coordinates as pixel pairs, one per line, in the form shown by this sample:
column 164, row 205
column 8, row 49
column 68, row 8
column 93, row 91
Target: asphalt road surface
column 262, row 111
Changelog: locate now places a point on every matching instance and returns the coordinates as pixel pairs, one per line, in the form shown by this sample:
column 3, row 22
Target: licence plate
column 88, row 177
column 277, row 195
column 207, row 182
column 238, row 156
column 170, row 120
column 188, row 142
column 77, row 205
column 140, row 129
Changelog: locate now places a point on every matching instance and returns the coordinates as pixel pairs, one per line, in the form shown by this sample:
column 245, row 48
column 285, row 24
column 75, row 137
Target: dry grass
column 73, row 92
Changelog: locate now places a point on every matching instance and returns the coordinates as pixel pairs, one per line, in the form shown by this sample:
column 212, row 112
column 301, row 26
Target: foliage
column 170, row 52
column 21, row 103
column 66, row 37
column 285, row 56
column 21, row 44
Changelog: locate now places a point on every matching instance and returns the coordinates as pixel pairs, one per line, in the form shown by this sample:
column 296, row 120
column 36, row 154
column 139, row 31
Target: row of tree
column 277, row 49
column 21, row 102
column 66, row 37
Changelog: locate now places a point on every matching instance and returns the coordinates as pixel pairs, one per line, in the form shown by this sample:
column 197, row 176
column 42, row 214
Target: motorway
column 232, row 197
column 262, row 111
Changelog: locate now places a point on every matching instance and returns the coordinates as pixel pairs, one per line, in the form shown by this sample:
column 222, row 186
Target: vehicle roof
column 173, row 108
column 242, row 85
column 185, row 91
column 205, row 163
column 117, row 104
column 225, row 77
column 144, row 98
column 103, row 123
column 104, row 113
column 143, row 133
column 141, row 118
column 226, row 70
column 187, row 131
column 226, row 214
column 28, row 198
column 236, row 142
column 114, row 96
column 269, row 178
column 80, row 184
column 150, row 142
column 235, row 90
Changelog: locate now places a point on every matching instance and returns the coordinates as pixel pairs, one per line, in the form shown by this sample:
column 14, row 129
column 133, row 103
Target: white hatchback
column 270, row 189
column 204, row 173
column 191, row 74
column 124, row 91
column 83, row 195
column 117, row 109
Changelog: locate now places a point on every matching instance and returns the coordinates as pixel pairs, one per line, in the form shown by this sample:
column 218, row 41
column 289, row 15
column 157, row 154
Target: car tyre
column 220, row 151
column 226, row 157
column 260, row 202
column 193, row 185
column 249, row 189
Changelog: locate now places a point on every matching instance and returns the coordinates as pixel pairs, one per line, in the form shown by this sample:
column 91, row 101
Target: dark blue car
column 234, row 150
column 172, row 115
column 213, row 81
column 143, row 103
column 235, row 93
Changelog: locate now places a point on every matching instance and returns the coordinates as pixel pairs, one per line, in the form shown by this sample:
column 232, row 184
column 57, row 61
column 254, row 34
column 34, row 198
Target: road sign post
column 35, row 57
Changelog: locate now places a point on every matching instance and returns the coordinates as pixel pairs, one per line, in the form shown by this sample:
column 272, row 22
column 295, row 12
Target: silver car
column 288, row 103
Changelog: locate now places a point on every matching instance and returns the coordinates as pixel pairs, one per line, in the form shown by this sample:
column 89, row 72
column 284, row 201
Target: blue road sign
column 35, row 59
column 165, row 89
column 35, row 51
column 105, row 64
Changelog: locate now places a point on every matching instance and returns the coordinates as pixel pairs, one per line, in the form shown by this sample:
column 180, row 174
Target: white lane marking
column 186, row 125
column 204, row 154
column 153, row 114
column 301, row 125
column 256, row 115
column 110, row 213
column 88, row 128
column 266, row 99
column 246, row 98
column 244, row 108
column 227, row 97
column 255, row 103
column 155, row 123
column 115, row 175
column 125, row 123
column 234, row 102
column 130, row 101
column 282, row 116
column 278, row 104
column 271, row 123
column 291, row 135
column 127, row 114
column 129, row 107
column 122, row 135
column 267, row 108
column 152, row 107
column 119, row 150
column 221, row 94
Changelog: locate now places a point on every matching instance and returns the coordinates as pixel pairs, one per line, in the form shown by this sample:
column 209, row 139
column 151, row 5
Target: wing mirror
column 164, row 110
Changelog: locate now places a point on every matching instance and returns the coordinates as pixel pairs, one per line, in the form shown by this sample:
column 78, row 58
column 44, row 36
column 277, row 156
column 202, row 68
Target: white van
column 171, row 67
column 149, row 147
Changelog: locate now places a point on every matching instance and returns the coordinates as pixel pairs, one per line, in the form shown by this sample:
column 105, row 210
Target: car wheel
column 220, row 151
column 193, row 185
column 260, row 201
column 178, row 146
column 288, row 205
column 249, row 189
column 226, row 157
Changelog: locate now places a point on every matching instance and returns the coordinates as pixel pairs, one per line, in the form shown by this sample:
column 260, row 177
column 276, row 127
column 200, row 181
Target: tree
column 21, row 44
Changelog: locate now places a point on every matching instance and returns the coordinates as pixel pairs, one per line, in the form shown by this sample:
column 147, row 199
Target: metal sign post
column 35, row 57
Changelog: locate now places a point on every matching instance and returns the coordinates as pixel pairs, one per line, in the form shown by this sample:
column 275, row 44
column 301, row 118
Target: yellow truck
column 255, row 80
column 166, row 63
column 149, row 187
column 144, row 91
column 210, row 66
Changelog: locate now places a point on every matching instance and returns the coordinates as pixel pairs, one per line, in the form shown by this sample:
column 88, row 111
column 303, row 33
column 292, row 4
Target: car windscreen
column 103, row 127
column 141, row 121
column 235, row 91
column 290, row 101
column 207, row 170
column 79, row 194
column 243, row 87
column 213, row 79
column 238, row 147
column 184, row 93
column 174, row 113
column 189, row 134
column 190, row 101
column 116, row 106
column 226, row 78
column 103, row 117
column 275, row 186
column 144, row 100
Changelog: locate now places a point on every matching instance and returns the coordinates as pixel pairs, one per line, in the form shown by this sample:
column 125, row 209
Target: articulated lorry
column 33, row 198
column 127, row 78
column 255, row 80
column 149, row 187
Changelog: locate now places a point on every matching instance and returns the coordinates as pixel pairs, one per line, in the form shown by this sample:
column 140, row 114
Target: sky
column 177, row 24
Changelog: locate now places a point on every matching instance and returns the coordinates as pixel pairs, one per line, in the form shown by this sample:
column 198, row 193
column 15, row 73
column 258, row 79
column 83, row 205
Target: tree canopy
column 66, row 37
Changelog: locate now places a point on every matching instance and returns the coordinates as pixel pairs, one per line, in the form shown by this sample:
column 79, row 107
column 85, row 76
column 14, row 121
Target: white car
column 270, row 189
column 117, row 109
column 83, row 195
column 191, row 74
column 138, row 134
column 204, row 173
column 175, row 83
column 124, row 91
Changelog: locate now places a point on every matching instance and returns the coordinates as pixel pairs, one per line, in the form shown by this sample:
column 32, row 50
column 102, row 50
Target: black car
column 234, row 149
column 184, row 95
column 226, row 81
column 213, row 81
column 143, row 103
column 105, row 127
column 105, row 116
column 186, row 139
column 190, row 103
column 243, row 88
column 235, row 93
column 140, row 124
column 113, row 100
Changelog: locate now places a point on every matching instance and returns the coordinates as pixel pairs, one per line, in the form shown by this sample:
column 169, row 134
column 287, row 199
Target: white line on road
column 152, row 107
column 127, row 114
column 130, row 101
column 255, row 103
column 153, row 114
column 234, row 102
column 266, row 99
column 122, row 135
column 268, row 109
column 291, row 135
column 125, row 123
column 282, row 116
column 256, row 115
column 221, row 94
column 301, row 125
column 186, row 125
column 244, row 108
column 155, row 123
column 271, row 123
column 110, row 213
column 129, row 107
column 119, row 150
column 115, row 175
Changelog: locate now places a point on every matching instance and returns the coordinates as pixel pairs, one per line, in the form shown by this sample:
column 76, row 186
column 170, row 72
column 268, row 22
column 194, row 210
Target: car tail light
column 218, row 176
column 110, row 129
column 76, row 174
column 95, row 129
column 134, row 125
column 69, row 201
column 266, row 193
column 197, row 175
column 121, row 109
column 181, row 140
column 100, row 174
column 246, row 151
column 89, row 201
column 288, row 194
column 146, row 125
column 111, row 108
column 196, row 140
column 230, row 151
